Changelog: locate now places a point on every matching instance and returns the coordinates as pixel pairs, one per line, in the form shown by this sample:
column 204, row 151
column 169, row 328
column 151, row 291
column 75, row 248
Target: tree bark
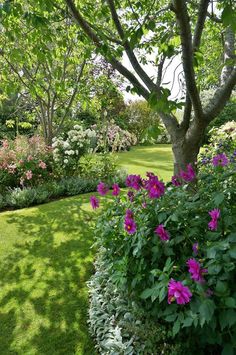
column 184, row 153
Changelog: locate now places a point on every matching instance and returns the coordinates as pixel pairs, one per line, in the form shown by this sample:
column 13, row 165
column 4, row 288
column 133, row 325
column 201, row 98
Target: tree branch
column 133, row 60
column 180, row 9
column 220, row 98
column 111, row 59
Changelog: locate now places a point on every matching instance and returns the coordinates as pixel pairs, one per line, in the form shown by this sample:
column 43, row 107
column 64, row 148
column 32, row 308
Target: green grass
column 157, row 159
column 45, row 261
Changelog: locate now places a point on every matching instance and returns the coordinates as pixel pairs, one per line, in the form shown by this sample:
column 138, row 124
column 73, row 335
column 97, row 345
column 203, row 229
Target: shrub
column 171, row 251
column 113, row 138
column 25, row 162
column 68, row 151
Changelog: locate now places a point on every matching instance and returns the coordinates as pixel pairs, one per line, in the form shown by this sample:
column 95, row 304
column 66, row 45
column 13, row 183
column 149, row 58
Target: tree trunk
column 184, row 153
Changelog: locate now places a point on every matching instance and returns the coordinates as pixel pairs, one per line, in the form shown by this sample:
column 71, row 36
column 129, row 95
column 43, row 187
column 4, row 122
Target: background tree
column 48, row 63
column 164, row 30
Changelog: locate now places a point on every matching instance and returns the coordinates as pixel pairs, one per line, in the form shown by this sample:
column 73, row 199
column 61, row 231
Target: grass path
column 45, row 260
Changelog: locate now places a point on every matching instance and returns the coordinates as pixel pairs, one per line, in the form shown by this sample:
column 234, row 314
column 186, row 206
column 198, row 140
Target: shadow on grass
column 43, row 301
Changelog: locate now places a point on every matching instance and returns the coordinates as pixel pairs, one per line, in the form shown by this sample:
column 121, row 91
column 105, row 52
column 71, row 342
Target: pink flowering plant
column 25, row 162
column 172, row 251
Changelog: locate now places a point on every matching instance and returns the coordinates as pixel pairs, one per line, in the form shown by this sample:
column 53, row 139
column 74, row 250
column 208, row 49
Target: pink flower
column 94, row 202
column 188, row 175
column 163, row 234
column 215, row 215
column 29, row 174
column 178, row 292
column 220, row 160
column 42, row 165
column 134, row 181
column 21, row 161
column 116, row 190
column 30, row 158
column 155, row 187
column 5, row 144
column 176, row 180
column 130, row 225
column 196, row 271
column 195, row 248
column 102, row 188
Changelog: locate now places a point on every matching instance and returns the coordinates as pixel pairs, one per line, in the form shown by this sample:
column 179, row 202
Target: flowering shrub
column 222, row 148
column 113, row 138
column 173, row 254
column 24, row 162
column 68, row 151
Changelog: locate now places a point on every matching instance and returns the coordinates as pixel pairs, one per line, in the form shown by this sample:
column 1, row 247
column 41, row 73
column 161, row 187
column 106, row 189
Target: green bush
column 142, row 259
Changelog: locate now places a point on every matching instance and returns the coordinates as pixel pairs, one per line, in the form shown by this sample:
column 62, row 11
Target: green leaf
column 219, row 198
column 230, row 302
column 227, row 318
column 228, row 350
column 206, row 311
column 176, row 327
column 187, row 322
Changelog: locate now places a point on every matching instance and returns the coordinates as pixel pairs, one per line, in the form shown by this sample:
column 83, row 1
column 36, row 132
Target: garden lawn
column 45, row 261
column 155, row 158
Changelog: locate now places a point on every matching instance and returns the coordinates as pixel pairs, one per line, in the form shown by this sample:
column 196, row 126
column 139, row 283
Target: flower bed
column 171, row 253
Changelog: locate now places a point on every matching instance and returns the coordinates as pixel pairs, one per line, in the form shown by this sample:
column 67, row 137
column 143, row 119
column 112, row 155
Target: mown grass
column 45, row 261
column 155, row 158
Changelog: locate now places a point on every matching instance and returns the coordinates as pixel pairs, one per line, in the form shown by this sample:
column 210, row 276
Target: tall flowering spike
column 178, row 292
column 220, row 160
column 115, row 190
column 196, row 271
column 162, row 233
column 176, row 180
column 130, row 225
column 94, row 202
column 134, row 181
column 188, row 175
column 154, row 186
column 195, row 248
column 215, row 215
column 102, row 188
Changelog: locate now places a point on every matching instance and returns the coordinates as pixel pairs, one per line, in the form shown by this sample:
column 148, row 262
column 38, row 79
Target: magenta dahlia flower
column 94, row 202
column 163, row 234
column 130, row 225
column 102, row 188
column 134, row 181
column 196, row 271
column 129, row 214
column 178, row 292
column 115, row 190
column 154, row 186
column 215, row 215
column 176, row 180
column 189, row 174
column 220, row 160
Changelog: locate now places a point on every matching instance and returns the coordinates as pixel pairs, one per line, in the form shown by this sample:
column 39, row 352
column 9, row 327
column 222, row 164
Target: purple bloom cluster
column 163, row 234
column 178, row 292
column 130, row 225
column 220, row 160
column 189, row 174
column 154, row 186
column 215, row 215
column 196, row 271
column 102, row 188
column 116, row 190
column 94, row 202
column 134, row 181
